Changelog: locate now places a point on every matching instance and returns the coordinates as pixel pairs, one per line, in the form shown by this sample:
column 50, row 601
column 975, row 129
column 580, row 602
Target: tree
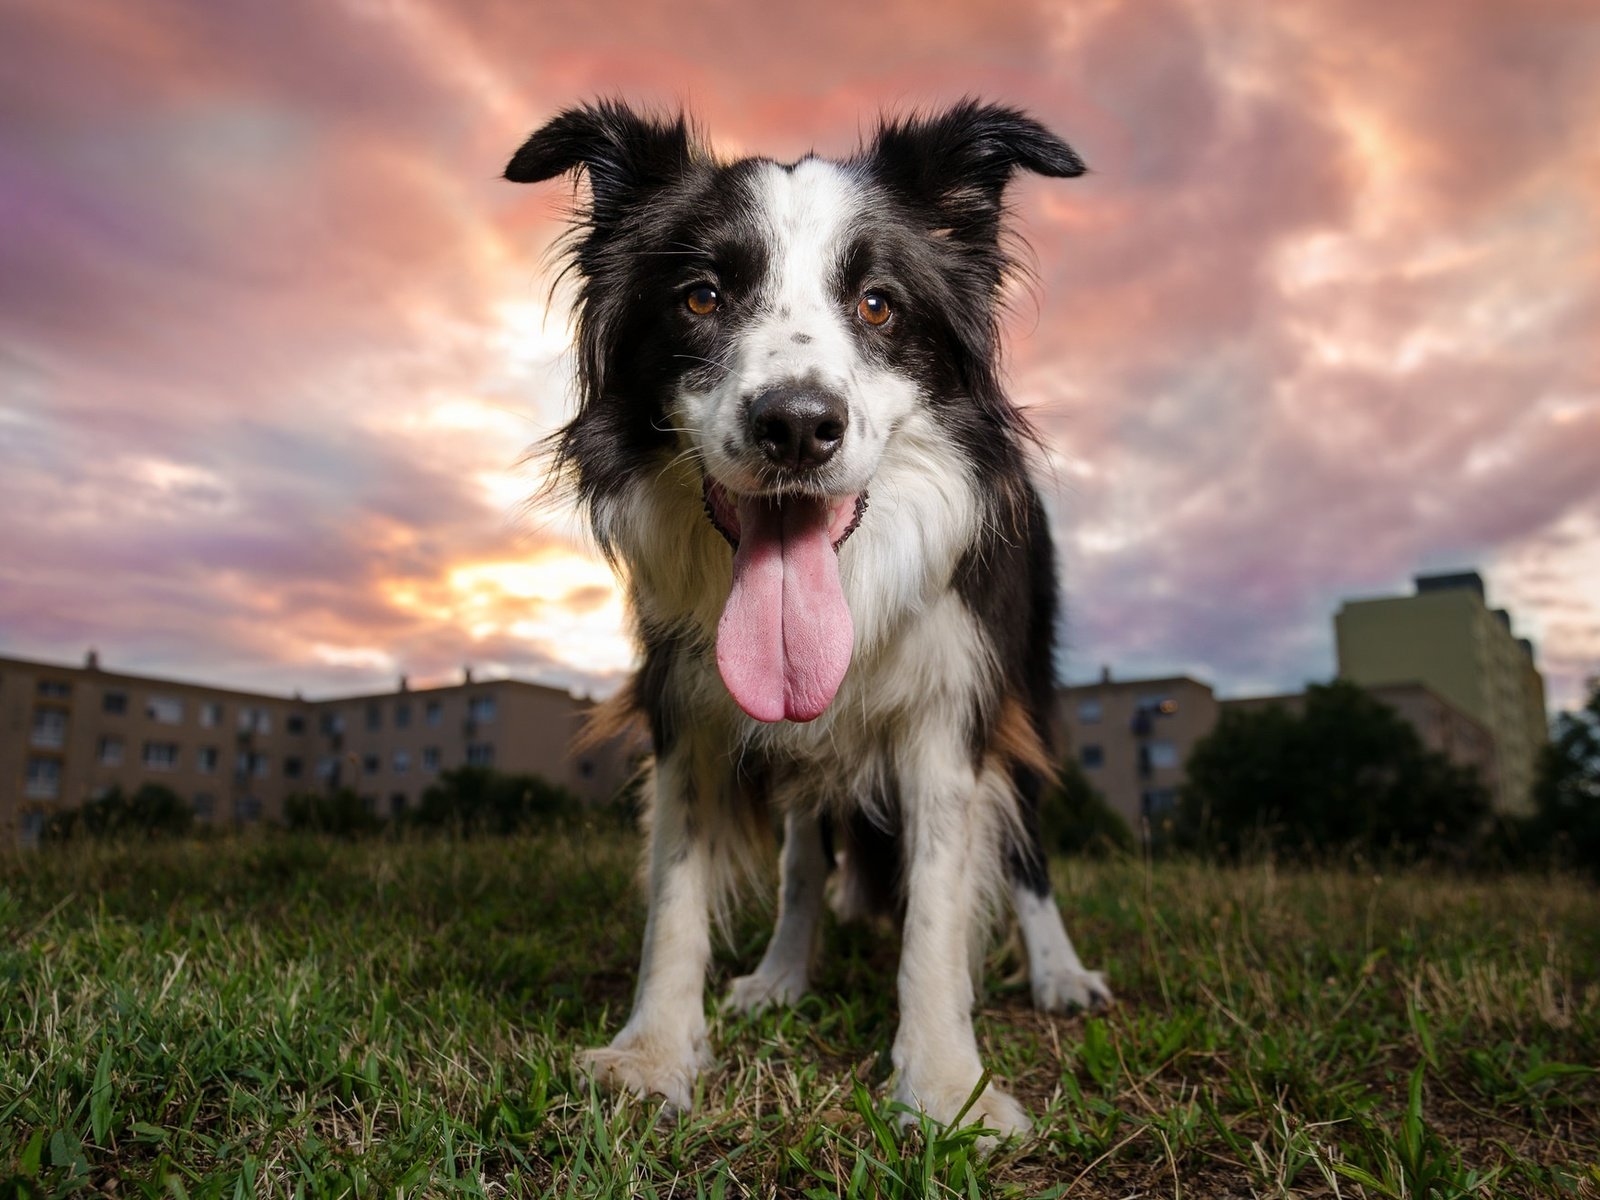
column 1566, row 789
column 1074, row 817
column 1349, row 773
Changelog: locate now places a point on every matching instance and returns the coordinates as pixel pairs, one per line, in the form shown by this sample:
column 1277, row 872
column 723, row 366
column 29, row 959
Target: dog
column 793, row 443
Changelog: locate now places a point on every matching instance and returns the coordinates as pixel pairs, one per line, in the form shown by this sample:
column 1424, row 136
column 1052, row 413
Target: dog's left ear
column 957, row 164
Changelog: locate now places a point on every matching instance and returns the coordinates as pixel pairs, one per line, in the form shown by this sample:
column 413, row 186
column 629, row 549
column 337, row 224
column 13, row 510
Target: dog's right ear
column 625, row 155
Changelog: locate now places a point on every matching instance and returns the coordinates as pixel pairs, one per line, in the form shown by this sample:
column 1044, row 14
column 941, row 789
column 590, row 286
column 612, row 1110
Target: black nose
column 798, row 427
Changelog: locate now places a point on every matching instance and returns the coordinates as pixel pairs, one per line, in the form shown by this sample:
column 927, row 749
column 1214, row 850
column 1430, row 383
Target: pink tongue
column 785, row 637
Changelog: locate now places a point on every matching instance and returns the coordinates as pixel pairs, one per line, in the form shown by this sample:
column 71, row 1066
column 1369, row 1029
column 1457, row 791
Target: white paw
column 750, row 993
column 942, row 1100
column 647, row 1066
column 1065, row 989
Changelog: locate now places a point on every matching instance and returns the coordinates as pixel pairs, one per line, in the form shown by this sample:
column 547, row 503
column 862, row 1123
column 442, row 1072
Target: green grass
column 292, row 1016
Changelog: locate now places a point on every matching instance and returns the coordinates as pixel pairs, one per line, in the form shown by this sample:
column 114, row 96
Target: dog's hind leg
column 785, row 969
column 1059, row 980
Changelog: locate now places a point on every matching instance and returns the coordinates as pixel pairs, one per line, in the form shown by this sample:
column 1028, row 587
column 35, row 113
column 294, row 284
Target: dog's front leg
column 663, row 1046
column 947, row 836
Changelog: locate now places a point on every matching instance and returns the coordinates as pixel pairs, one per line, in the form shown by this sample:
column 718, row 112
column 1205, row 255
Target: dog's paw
column 646, row 1067
column 943, row 1100
column 751, row 993
column 1064, row 989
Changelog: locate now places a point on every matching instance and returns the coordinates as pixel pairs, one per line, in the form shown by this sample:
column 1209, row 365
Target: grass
column 301, row 1017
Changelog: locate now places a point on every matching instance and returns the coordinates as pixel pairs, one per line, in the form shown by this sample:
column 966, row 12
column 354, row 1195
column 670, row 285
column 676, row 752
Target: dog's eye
column 874, row 308
column 702, row 300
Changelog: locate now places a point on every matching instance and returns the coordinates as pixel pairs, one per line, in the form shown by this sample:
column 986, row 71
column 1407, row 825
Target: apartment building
column 69, row 734
column 1133, row 736
column 1447, row 638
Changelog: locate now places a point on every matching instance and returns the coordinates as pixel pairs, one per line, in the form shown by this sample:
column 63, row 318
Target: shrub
column 342, row 813
column 482, row 800
column 153, row 811
column 1074, row 817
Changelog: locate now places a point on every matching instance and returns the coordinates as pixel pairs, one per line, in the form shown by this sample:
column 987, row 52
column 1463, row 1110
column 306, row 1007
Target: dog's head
column 780, row 323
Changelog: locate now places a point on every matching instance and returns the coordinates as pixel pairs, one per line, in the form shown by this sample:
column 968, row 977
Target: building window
column 54, row 689
column 205, row 806
column 205, row 760
column 402, row 715
column 327, row 767
column 331, row 723
column 481, row 709
column 161, row 756
column 167, row 710
column 1158, row 705
column 402, row 761
column 370, row 764
column 1163, row 755
column 430, row 758
column 210, row 714
column 109, row 751
column 374, row 716
column 32, row 827
column 586, row 769
column 1092, row 756
column 44, row 778
column 397, row 805
column 434, row 713
column 295, row 724
column 248, row 810
column 115, row 703
column 1090, row 712
column 1157, row 802
column 480, row 754
column 292, row 768
column 49, row 729
column 251, row 765
column 255, row 720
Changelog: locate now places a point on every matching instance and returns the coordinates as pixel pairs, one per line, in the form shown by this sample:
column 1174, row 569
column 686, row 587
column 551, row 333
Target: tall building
column 1447, row 637
column 69, row 734
column 1133, row 736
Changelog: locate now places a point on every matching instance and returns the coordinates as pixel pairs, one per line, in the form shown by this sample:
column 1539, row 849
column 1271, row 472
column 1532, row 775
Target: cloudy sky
column 273, row 335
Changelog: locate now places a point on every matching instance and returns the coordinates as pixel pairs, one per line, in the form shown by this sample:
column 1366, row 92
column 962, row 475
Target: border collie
column 793, row 442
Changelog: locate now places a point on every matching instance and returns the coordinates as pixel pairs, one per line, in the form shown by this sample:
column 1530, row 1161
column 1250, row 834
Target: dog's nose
column 798, row 427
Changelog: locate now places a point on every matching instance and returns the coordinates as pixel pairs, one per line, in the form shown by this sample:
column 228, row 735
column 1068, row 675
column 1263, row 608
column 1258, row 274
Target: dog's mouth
column 785, row 637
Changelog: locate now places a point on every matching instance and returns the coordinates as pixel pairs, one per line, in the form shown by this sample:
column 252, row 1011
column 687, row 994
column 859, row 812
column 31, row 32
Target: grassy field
column 292, row 1016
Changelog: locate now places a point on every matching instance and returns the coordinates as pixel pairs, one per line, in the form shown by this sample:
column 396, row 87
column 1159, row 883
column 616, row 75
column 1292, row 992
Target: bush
column 342, row 813
column 482, row 800
column 1565, row 827
column 1074, row 817
column 1350, row 774
column 153, row 811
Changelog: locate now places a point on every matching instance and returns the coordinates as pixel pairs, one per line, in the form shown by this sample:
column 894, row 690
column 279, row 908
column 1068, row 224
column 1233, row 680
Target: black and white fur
column 918, row 786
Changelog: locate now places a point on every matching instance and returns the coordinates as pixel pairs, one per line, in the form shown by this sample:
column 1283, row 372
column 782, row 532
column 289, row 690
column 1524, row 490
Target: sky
column 274, row 335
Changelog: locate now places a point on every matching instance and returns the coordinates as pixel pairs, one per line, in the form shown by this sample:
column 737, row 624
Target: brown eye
column 873, row 308
column 702, row 300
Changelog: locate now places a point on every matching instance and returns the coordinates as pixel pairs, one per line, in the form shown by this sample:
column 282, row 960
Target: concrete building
column 1133, row 736
column 69, row 734
column 1447, row 638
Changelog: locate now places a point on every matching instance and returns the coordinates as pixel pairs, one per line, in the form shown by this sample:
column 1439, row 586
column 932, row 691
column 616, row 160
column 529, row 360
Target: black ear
column 626, row 155
column 959, row 162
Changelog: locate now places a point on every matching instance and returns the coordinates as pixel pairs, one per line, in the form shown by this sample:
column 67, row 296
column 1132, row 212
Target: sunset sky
column 274, row 335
